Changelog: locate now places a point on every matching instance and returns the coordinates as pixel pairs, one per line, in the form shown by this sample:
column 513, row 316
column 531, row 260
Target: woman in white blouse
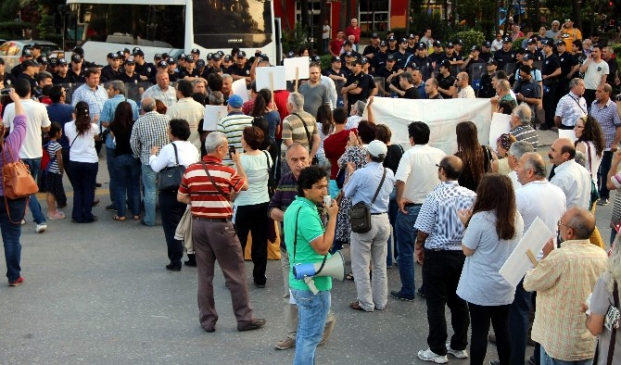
column 172, row 210
column 251, row 205
column 590, row 141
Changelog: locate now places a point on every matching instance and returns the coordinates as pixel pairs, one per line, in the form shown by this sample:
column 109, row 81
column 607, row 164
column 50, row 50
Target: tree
column 343, row 21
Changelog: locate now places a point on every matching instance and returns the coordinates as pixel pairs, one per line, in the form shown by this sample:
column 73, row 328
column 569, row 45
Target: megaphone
column 333, row 267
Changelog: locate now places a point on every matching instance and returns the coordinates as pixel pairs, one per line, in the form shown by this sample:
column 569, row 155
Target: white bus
column 175, row 26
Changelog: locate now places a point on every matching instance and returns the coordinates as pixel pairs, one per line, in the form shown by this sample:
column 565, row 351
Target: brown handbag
column 16, row 178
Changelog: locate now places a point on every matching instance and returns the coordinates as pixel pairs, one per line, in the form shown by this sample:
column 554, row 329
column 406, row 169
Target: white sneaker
column 23, row 222
column 428, row 355
column 460, row 354
column 41, row 228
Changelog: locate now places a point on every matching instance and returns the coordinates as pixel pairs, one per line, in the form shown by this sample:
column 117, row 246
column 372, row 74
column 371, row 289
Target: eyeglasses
column 560, row 223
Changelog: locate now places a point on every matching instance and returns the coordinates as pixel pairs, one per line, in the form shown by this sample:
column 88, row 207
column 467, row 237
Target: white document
column 271, row 78
column 501, row 123
column 301, row 64
column 213, row 115
column 567, row 133
column 239, row 88
column 518, row 263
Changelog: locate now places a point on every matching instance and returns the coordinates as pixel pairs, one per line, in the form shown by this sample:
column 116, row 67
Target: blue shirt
column 421, row 91
column 109, row 108
column 363, row 184
column 61, row 114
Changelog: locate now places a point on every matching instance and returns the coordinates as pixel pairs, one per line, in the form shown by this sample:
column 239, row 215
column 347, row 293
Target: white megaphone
column 333, row 267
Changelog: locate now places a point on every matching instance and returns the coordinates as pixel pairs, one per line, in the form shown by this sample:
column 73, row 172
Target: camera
column 5, row 91
column 231, row 151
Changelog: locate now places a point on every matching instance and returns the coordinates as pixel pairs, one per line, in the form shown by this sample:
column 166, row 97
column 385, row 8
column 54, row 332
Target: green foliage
column 13, row 30
column 440, row 28
column 517, row 44
column 295, row 39
column 8, row 10
column 326, row 62
column 470, row 38
column 478, row 14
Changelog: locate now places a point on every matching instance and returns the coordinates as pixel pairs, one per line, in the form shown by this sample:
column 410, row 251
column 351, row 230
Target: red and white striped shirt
column 206, row 201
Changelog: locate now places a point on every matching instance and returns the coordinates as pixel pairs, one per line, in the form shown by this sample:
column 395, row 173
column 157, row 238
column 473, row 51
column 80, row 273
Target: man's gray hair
column 520, row 148
column 503, row 85
column 574, row 82
column 148, row 105
column 297, row 100
column 360, row 105
column 118, row 85
column 523, row 113
column 214, row 140
column 536, row 163
column 295, row 145
column 226, row 76
column 216, row 98
column 580, row 158
column 609, row 50
column 407, row 77
column 199, row 80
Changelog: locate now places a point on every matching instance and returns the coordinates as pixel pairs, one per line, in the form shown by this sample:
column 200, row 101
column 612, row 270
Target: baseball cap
column 27, row 53
column 364, row 60
column 507, row 40
column 110, row 55
column 125, row 50
column 558, row 43
column 62, row 62
column 492, row 62
column 209, row 56
column 138, row 52
column 445, row 63
column 170, row 61
column 391, row 38
column 527, row 57
column 76, row 58
column 549, row 42
column 235, row 101
column 348, row 43
column 421, row 45
column 189, row 59
column 437, row 44
column 53, row 62
column 349, row 54
column 475, row 48
column 196, row 50
column 531, row 41
column 450, row 45
column 130, row 60
column 228, row 58
column 403, row 40
column 266, row 58
column 336, row 59
column 42, row 60
column 377, row 148
column 458, row 41
column 412, row 65
column 241, row 54
column 200, row 63
column 29, row 63
column 181, row 57
column 315, row 58
column 162, row 64
column 383, row 44
column 158, row 56
column 291, row 54
column 390, row 58
column 486, row 44
column 356, row 61
column 374, row 36
column 411, row 36
column 120, row 55
column 216, row 56
column 36, row 46
column 79, row 50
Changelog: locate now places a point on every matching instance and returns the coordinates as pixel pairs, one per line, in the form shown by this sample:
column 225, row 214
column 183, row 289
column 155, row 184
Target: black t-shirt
column 379, row 61
column 184, row 72
column 446, row 82
column 393, row 156
column 612, row 67
column 9, row 79
column 550, row 64
column 503, row 58
column 121, row 137
column 411, row 50
column 146, row 69
column 76, row 78
column 133, row 79
column 371, row 85
column 437, row 57
column 173, row 76
column 567, row 62
column 362, row 81
column 485, row 56
column 33, row 82
column 370, row 50
column 453, row 58
column 411, row 93
column 486, row 90
column 239, row 71
column 108, row 74
column 384, row 72
column 403, row 59
column 59, row 80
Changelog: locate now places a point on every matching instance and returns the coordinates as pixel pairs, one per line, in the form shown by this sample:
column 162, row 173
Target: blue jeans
column 518, row 323
column 149, row 181
column 312, row 314
column 393, row 210
column 548, row 360
column 602, row 174
column 10, row 236
column 406, row 236
column 34, row 164
column 112, row 174
column 84, row 176
column 128, row 183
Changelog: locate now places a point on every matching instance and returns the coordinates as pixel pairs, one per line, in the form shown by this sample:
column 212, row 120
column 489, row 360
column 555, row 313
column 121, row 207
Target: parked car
column 11, row 51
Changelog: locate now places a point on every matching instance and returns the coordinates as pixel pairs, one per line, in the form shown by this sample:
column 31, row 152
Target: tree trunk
column 407, row 17
column 323, row 16
column 577, row 18
column 343, row 21
column 305, row 15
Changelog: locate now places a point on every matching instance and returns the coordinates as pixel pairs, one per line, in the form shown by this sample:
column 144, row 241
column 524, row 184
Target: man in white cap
column 372, row 184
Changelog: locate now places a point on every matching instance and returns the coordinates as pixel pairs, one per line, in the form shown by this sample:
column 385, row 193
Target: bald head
column 581, row 222
column 163, row 80
column 562, row 150
column 452, row 167
column 297, row 158
column 147, row 104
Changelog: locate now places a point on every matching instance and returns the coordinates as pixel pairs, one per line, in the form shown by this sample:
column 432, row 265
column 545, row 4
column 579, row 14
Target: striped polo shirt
column 293, row 128
column 233, row 127
column 206, row 201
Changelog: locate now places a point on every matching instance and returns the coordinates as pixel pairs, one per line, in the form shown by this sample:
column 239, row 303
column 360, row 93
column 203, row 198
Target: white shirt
column 514, row 180
column 418, row 170
column 352, row 122
column 82, row 147
column 575, row 182
column 36, row 118
column 325, row 80
column 168, row 97
column 594, row 73
column 467, row 92
column 326, row 32
column 257, row 172
column 592, row 160
column 192, row 111
column 496, row 45
column 188, row 154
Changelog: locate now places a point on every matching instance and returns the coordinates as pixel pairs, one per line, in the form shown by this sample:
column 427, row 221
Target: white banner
column 442, row 116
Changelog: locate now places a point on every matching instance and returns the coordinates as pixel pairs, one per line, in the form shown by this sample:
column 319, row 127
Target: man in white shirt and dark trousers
column 438, row 245
column 569, row 175
column 32, row 150
column 595, row 71
column 415, row 179
column 372, row 185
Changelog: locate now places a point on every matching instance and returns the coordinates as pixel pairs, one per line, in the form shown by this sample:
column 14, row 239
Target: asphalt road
column 99, row 294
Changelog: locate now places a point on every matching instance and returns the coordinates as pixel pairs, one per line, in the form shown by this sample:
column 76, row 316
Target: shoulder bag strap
column 589, row 156
column 613, row 335
column 269, row 166
column 295, row 243
column 308, row 136
column 379, row 187
column 76, row 137
column 213, row 181
column 577, row 102
column 177, row 157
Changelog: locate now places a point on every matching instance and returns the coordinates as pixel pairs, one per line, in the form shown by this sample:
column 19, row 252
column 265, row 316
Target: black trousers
column 172, row 211
column 481, row 317
column 441, row 273
column 589, row 96
column 549, row 105
column 253, row 219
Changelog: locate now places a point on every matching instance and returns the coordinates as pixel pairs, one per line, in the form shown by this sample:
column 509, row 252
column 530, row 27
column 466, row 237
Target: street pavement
column 99, row 294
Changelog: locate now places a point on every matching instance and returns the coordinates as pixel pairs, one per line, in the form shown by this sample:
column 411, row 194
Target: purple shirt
column 13, row 142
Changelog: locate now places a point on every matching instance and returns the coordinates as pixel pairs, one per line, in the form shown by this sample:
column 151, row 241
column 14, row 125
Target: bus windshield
column 228, row 23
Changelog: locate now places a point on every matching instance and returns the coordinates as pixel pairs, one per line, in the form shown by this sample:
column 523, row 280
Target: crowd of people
column 298, row 163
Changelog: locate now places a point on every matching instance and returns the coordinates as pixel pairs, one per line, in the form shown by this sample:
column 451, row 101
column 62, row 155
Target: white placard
column 501, row 123
column 567, row 133
column 239, row 88
column 268, row 75
column 213, row 115
column 518, row 263
column 300, row 63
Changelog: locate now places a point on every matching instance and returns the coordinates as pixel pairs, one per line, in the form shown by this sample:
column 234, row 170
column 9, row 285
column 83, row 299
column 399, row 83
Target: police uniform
column 108, row 74
column 76, row 78
column 550, row 64
column 486, row 90
column 503, row 58
column 9, row 80
column 402, row 59
column 486, row 56
column 146, row 69
column 446, row 82
column 370, row 50
column 362, row 81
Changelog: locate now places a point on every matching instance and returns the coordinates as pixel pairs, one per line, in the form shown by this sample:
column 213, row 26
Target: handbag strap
column 308, row 136
column 6, row 201
column 295, row 242
column 176, row 155
column 213, row 181
column 613, row 335
column 269, row 166
column 589, row 155
column 379, row 187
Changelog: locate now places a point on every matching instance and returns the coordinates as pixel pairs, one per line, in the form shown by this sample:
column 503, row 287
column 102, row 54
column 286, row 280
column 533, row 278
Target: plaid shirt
column 570, row 108
column 151, row 129
column 608, row 119
column 94, row 98
column 563, row 280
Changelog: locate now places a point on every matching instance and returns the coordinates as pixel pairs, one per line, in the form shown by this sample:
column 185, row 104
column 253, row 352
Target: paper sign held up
column 272, row 78
column 239, row 88
column 567, row 133
column 501, row 123
column 213, row 115
column 297, row 63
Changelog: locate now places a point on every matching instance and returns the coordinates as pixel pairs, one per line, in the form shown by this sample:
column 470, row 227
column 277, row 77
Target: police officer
column 372, row 49
column 76, row 73
column 453, row 58
column 61, row 77
column 129, row 76
column 486, row 51
column 240, row 69
column 112, row 71
column 550, row 73
column 402, row 56
column 26, row 56
column 172, row 69
column 422, row 61
column 389, row 72
column 189, row 71
column 569, row 66
column 527, row 90
column 392, row 44
column 412, row 47
column 437, row 56
column 145, row 70
column 473, row 58
column 531, row 49
column 379, row 60
column 486, row 90
column 357, row 85
column 505, row 55
column 446, row 81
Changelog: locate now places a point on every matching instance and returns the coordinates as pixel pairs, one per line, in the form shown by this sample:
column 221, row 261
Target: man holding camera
column 308, row 242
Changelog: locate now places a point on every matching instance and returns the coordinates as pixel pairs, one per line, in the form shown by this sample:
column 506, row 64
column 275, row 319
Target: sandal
column 136, row 217
column 56, row 215
column 118, row 218
column 350, row 276
column 356, row 306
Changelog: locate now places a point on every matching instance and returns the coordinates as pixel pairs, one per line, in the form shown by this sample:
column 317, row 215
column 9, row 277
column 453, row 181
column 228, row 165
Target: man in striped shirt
column 233, row 125
column 520, row 125
column 208, row 188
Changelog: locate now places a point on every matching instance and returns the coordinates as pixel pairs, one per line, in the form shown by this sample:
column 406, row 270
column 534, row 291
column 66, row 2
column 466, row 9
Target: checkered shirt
column 608, row 119
column 151, row 129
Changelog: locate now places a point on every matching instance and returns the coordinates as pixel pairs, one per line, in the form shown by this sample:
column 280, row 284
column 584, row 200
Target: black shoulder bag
column 310, row 141
column 360, row 213
column 613, row 335
column 169, row 179
column 271, row 183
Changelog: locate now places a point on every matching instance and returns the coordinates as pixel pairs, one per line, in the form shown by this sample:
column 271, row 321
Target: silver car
column 11, row 51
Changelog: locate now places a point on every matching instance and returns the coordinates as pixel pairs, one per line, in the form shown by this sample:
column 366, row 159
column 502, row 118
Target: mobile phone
column 231, row 151
column 5, row 91
column 327, row 200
